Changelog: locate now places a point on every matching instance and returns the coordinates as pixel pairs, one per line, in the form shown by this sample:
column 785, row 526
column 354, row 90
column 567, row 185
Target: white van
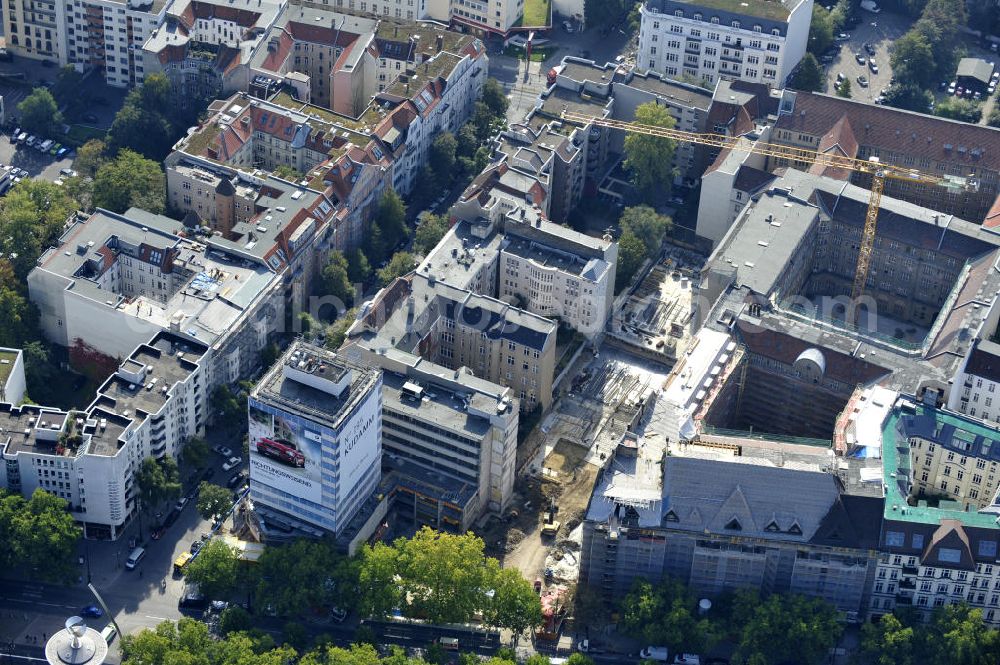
column 134, row 558
column 109, row 633
column 654, row 653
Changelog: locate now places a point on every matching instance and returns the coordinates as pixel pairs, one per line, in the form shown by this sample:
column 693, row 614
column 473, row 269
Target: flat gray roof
column 439, row 405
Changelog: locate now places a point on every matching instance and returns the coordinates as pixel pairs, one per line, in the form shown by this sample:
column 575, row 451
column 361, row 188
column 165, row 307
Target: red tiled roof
column 992, row 219
column 893, row 130
column 276, row 57
column 838, row 141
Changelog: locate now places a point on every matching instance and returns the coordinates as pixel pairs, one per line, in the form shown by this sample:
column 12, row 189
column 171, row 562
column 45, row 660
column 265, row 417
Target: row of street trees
column 188, row 642
column 773, row 630
column 438, row 577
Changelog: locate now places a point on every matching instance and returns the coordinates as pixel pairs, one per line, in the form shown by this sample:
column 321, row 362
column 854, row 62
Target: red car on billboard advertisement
column 281, row 450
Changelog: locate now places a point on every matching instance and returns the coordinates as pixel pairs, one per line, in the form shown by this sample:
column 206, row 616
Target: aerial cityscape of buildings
column 777, row 397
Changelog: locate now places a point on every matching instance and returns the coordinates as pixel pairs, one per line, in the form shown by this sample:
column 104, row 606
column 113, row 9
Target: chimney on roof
column 395, row 31
column 440, row 42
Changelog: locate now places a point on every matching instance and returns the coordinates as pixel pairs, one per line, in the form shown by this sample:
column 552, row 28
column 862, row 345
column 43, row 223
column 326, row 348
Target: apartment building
column 108, row 36
column 36, row 29
column 938, row 544
column 723, row 524
column 12, row 383
column 613, row 91
column 315, row 440
column 203, row 46
column 974, row 388
column 760, row 41
column 150, row 407
column 115, row 280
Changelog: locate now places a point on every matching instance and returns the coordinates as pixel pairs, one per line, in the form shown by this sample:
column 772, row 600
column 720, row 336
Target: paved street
column 30, row 610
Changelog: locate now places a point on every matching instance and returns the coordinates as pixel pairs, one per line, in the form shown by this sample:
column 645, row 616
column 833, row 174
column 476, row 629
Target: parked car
column 222, row 450
column 54, row 149
column 109, row 633
column 68, row 172
column 192, row 600
column 92, row 612
column 840, row 77
column 30, row 141
column 951, row 87
column 843, row 37
column 872, row 66
column 181, row 502
column 338, row 615
column 232, row 463
column 236, row 480
column 863, row 81
column 860, row 58
column 46, row 144
column 869, row 48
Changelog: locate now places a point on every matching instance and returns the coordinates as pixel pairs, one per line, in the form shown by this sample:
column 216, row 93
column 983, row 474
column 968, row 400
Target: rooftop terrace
column 770, row 9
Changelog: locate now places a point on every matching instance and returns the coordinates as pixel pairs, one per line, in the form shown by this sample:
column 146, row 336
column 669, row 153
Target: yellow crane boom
column 879, row 171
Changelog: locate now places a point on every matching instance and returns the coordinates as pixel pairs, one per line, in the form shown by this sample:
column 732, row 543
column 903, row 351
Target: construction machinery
column 878, row 171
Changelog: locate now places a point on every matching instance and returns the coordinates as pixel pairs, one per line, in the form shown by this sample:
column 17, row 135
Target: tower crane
column 879, row 172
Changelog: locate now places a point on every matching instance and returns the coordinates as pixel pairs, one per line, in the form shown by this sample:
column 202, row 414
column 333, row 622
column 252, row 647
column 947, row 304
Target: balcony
column 733, row 57
column 907, row 583
column 910, row 570
column 902, row 599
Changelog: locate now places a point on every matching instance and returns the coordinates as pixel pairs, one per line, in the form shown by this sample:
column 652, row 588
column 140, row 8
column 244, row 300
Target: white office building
column 762, row 42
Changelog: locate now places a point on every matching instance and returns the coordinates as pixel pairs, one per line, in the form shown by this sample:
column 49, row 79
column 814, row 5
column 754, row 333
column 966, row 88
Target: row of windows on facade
column 714, row 20
column 726, row 52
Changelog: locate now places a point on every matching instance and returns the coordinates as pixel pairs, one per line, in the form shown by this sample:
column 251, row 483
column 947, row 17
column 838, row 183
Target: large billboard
column 285, row 452
column 359, row 443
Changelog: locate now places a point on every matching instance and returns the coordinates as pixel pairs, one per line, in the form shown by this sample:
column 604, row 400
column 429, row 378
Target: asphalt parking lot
column 879, row 30
column 34, row 162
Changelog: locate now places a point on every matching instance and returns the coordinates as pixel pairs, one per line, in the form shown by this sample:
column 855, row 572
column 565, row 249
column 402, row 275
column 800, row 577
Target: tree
column 213, row 500
column 388, row 226
column 514, row 605
column 378, row 592
column 809, row 75
column 335, row 281
column 666, row 614
column 647, row 225
column 358, row 268
column 429, row 232
column 650, row 158
column 306, row 574
column 606, row 13
column 495, row 97
column 888, row 642
column 631, row 254
column 226, row 406
column 965, row 110
column 467, row 143
column 442, row 157
column 484, row 121
column 783, row 629
column 215, row 569
column 821, row 30
column 130, row 180
column 90, row 157
column 196, row 452
column 152, row 118
column 336, row 333
column 400, row 264
column 39, row 112
column 843, row 89
column 234, row 619
column 357, row 654
column 909, row 97
column 18, row 318
column 32, row 216
column 994, row 117
column 188, row 643
column 39, row 369
column 39, row 534
column 158, row 481
column 68, row 90
column 912, row 60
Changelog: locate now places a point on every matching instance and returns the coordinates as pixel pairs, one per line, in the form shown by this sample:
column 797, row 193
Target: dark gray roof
column 746, row 499
column 975, row 68
column 984, row 361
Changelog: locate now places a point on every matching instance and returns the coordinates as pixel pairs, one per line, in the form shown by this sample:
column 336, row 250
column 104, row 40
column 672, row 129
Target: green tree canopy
column 647, row 225
column 514, row 604
column 152, row 118
column 965, row 110
column 821, row 30
column 39, row 112
column 666, row 614
column 337, row 331
column 650, row 158
column 631, row 254
column 306, row 575
column 358, row 268
column 495, row 97
column 912, row 59
column 429, row 232
column 196, row 452
column 130, row 180
column 388, row 227
column 335, row 280
column 38, row 534
column 908, row 96
column 780, row 629
column 32, row 216
column 213, row 500
column 809, row 76
column 215, row 570
column 843, row 89
column 400, row 264
column 90, row 157
column 188, row 642
column 955, row 635
column 286, row 172
column 442, row 157
column 158, row 481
